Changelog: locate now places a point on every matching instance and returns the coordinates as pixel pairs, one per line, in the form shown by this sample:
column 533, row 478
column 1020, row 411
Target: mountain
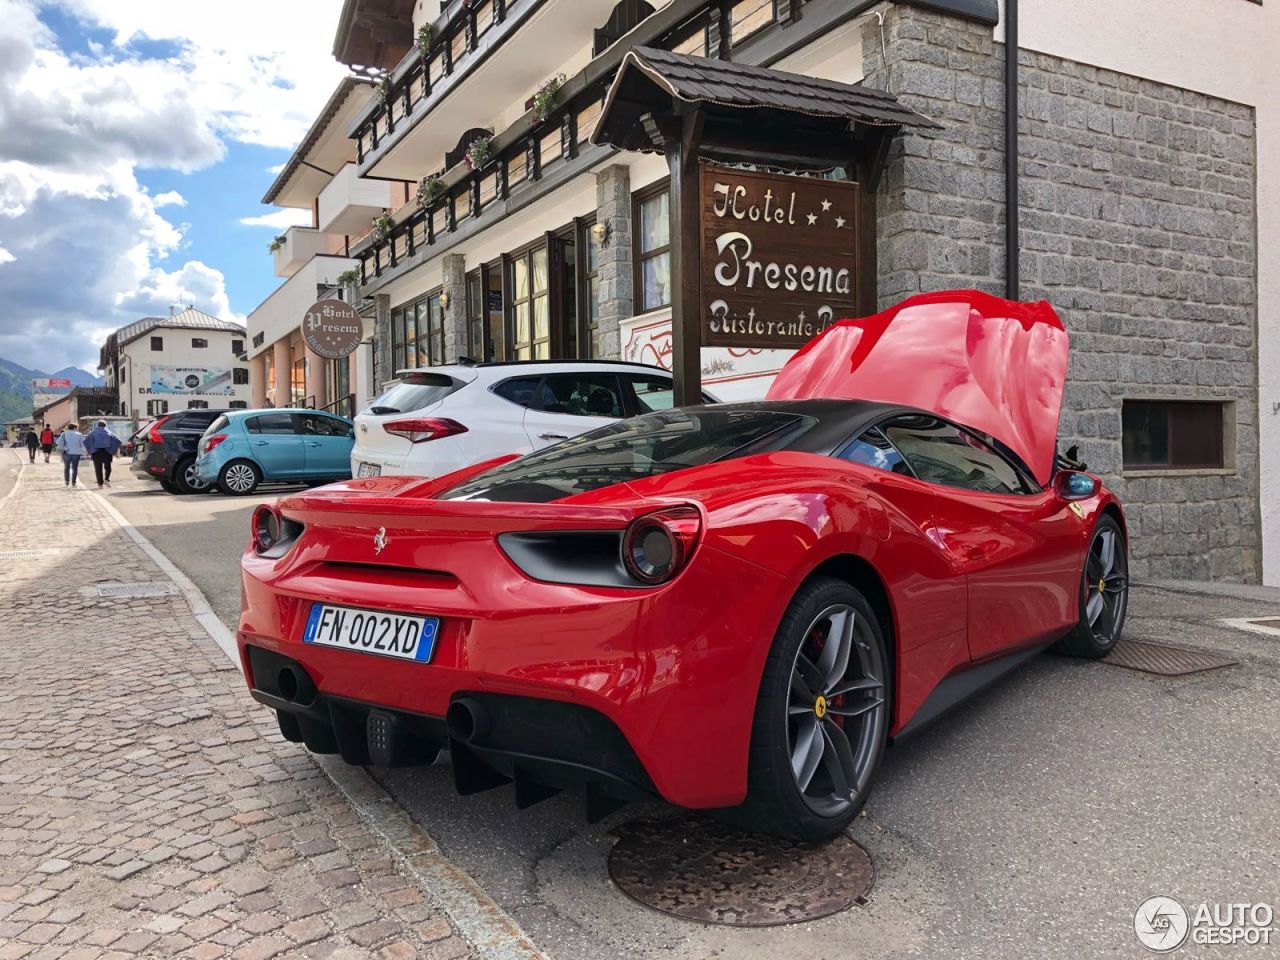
column 15, row 386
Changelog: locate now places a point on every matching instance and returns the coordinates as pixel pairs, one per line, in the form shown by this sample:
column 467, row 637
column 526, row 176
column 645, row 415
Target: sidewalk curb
column 489, row 929
column 17, row 482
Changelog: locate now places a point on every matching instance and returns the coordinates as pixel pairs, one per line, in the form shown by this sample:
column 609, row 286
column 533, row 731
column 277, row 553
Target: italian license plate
column 369, row 470
column 372, row 631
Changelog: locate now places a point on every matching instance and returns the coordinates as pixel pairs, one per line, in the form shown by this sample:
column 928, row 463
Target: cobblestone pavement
column 148, row 807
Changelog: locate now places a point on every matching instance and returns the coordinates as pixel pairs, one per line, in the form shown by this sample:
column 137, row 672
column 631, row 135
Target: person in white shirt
column 71, row 443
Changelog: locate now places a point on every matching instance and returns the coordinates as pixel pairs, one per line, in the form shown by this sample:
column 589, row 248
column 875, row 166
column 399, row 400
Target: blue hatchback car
column 244, row 448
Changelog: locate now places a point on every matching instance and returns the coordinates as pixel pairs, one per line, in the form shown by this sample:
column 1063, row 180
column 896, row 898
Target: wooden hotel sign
column 779, row 256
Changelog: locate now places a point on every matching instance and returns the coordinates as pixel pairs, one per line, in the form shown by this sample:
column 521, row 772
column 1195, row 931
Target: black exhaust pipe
column 287, row 684
column 467, row 720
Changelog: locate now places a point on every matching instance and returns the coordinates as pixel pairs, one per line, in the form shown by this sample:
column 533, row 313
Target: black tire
column 236, row 481
column 169, row 487
column 776, row 802
column 184, row 479
column 1097, row 631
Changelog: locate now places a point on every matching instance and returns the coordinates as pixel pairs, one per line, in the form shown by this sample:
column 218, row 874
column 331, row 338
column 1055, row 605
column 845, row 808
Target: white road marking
column 1253, row 626
column 490, row 930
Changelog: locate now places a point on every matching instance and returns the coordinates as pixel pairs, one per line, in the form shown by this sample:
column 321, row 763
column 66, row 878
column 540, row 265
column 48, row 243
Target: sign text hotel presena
column 778, row 256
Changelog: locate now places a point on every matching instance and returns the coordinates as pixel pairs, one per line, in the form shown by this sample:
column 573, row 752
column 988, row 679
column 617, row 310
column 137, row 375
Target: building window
column 157, row 408
column 199, row 343
column 747, row 17
column 298, row 382
column 123, row 371
column 238, row 405
column 237, row 347
column 157, row 343
column 477, row 314
column 417, row 333
column 240, row 375
column 1174, row 434
column 530, row 304
column 197, row 404
column 590, row 288
column 653, row 250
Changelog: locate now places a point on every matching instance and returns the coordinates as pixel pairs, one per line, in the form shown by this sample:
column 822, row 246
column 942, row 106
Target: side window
column 651, row 392
column 198, row 421
column 940, row 453
column 519, row 390
column 316, row 425
column 873, row 449
column 582, row 395
column 275, row 423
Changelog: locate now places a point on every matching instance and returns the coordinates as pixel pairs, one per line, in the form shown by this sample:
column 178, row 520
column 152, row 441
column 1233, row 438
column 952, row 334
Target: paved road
column 203, row 534
column 1030, row 823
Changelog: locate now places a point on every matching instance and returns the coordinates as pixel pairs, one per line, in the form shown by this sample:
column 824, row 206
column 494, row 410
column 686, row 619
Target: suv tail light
column 422, row 429
column 658, row 545
column 213, row 441
column 154, row 435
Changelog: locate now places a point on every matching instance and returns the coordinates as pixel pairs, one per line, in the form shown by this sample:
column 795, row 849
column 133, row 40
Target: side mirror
column 1073, row 485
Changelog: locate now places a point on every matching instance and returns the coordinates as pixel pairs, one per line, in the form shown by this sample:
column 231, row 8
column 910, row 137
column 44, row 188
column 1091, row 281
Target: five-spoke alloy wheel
column 1104, row 593
column 822, row 716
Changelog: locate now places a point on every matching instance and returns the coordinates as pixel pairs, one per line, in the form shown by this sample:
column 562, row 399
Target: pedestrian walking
column 102, row 446
column 33, row 443
column 46, row 442
column 71, row 443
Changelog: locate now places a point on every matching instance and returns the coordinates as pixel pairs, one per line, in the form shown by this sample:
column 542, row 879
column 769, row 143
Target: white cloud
column 275, row 169
column 74, row 128
column 279, row 219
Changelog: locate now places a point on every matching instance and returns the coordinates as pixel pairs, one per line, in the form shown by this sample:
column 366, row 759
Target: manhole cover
column 701, row 870
column 133, row 591
column 1162, row 659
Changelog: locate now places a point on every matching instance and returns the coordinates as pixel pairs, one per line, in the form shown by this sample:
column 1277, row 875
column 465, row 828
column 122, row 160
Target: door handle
column 313, row 443
column 553, row 436
column 261, row 443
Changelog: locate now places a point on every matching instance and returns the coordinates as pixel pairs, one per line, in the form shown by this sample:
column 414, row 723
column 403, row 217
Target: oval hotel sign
column 332, row 329
column 779, row 257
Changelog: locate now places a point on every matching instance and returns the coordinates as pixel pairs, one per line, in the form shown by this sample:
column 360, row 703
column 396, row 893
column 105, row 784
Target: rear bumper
column 431, row 459
column 628, row 691
column 154, row 467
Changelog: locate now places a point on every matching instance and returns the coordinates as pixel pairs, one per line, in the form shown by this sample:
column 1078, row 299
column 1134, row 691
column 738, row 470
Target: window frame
column 157, row 344
column 199, row 343
column 1224, row 441
column 511, row 302
column 641, row 256
column 239, row 376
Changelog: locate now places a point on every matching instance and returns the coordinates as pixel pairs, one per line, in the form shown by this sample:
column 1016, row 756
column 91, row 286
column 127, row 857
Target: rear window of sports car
column 633, row 449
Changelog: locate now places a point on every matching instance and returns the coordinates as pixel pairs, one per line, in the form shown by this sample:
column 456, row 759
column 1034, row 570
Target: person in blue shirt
column 71, row 444
column 102, row 445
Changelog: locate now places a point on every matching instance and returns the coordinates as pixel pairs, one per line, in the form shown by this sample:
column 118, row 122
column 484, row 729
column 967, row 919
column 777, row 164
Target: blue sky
column 136, row 137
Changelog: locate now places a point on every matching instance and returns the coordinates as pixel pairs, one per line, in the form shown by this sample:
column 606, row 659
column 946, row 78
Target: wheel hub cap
column 820, row 707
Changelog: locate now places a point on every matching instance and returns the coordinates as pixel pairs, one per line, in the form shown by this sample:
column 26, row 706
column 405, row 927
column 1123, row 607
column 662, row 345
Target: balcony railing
column 456, row 38
column 526, row 151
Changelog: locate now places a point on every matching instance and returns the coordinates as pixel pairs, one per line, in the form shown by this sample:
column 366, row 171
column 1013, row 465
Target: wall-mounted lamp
column 601, row 231
column 444, row 301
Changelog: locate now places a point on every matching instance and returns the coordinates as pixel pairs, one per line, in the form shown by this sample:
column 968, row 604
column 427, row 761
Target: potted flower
column 348, row 277
column 382, row 225
column 277, row 243
column 544, row 98
column 424, row 40
column 384, row 88
column 429, row 190
column 478, row 153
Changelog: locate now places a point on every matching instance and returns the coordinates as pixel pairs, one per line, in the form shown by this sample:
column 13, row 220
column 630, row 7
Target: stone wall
column 617, row 301
column 1138, row 224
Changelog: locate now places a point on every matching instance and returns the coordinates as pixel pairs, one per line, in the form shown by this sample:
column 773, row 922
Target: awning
column 651, row 81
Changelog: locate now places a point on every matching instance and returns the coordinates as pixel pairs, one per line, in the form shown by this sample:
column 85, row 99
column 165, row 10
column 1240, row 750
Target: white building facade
column 189, row 360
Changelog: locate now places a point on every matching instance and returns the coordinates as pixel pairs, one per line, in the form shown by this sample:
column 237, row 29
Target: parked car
column 439, row 419
column 245, row 448
column 165, row 449
column 734, row 605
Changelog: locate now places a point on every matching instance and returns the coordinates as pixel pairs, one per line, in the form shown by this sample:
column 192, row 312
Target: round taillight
column 266, row 528
column 656, row 547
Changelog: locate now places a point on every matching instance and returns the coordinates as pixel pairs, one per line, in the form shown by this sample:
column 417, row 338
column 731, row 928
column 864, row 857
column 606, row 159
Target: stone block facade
column 617, row 297
column 1137, row 221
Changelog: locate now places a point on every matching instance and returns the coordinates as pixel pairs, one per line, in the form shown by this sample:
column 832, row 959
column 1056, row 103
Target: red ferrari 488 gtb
column 732, row 605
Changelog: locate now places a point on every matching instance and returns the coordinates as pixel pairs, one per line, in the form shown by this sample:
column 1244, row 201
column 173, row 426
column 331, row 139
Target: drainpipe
column 1011, row 243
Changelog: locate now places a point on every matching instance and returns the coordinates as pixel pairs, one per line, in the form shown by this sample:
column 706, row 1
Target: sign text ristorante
column 779, row 257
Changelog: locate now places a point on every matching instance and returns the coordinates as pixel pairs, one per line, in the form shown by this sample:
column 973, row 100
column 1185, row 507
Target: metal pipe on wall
column 1011, row 242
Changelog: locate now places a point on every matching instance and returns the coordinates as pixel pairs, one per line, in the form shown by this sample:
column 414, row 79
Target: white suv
column 438, row 419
